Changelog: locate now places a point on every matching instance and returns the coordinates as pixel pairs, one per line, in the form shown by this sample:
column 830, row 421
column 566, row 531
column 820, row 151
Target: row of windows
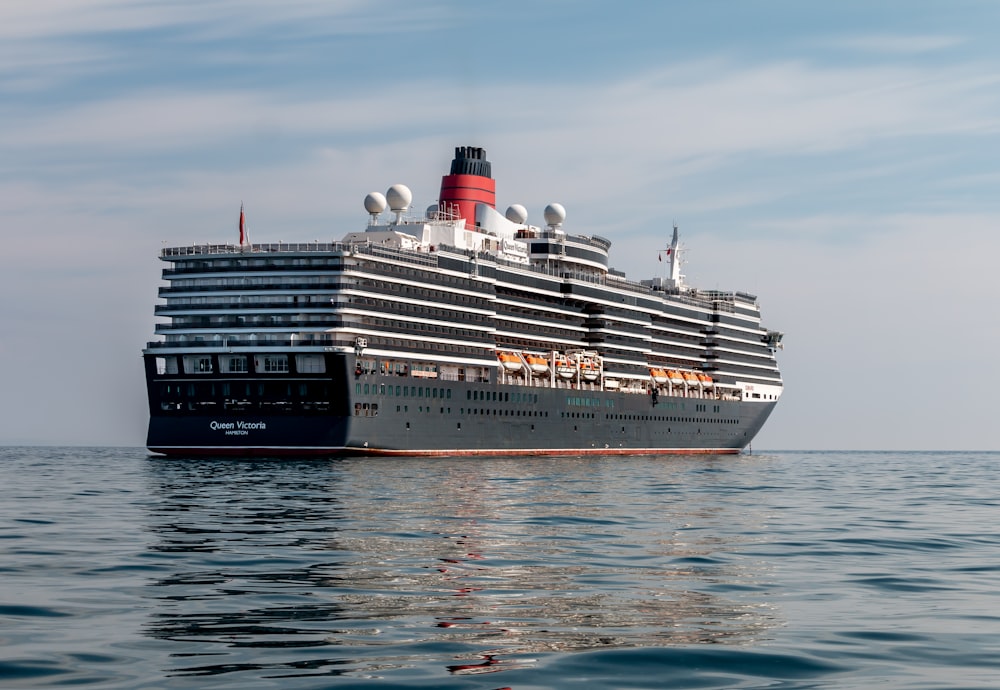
column 421, row 275
column 402, row 391
column 536, row 331
column 232, row 301
column 288, row 319
column 450, row 315
column 258, row 263
column 502, row 396
column 425, row 293
column 259, row 282
column 378, row 341
column 272, row 391
column 238, row 364
column 392, row 292
column 423, row 327
column 473, row 411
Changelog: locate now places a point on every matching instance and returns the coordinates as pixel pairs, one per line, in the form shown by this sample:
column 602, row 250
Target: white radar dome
column 399, row 197
column 375, row 203
column 517, row 214
column 555, row 214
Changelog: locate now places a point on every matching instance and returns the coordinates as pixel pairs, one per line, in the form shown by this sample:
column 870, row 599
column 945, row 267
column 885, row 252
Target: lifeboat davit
column 675, row 377
column 509, row 360
column 538, row 364
column 659, row 376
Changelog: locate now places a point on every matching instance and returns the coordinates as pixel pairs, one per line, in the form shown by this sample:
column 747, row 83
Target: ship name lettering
column 238, row 428
column 251, row 425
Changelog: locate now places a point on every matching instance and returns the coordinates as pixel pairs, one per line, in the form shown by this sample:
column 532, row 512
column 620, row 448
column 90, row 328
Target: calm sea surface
column 779, row 570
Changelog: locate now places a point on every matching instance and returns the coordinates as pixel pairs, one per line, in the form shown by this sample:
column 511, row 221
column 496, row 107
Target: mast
column 674, row 277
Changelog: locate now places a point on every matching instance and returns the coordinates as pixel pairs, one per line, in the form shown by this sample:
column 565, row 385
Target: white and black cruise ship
column 461, row 332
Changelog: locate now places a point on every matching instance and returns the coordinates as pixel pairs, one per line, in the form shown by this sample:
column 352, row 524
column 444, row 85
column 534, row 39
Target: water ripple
column 788, row 570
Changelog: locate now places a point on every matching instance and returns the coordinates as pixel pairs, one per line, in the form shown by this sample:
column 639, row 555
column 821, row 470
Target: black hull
column 464, row 418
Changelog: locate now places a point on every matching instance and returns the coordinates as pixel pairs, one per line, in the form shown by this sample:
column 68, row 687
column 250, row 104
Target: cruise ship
column 457, row 331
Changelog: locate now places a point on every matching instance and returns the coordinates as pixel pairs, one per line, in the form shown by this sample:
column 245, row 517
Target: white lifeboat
column 611, row 384
column 565, row 368
column 509, row 360
column 588, row 370
column 539, row 365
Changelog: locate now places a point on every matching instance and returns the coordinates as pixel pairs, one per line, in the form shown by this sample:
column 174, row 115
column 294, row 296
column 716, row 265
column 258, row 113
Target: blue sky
column 839, row 160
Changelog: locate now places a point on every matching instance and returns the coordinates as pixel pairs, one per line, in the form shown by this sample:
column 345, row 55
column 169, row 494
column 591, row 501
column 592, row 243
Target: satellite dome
column 517, row 214
column 399, row 197
column 431, row 211
column 375, row 203
column 555, row 214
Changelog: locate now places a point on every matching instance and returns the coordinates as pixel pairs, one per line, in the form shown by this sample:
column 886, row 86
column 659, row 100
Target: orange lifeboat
column 539, row 365
column 706, row 380
column 675, row 377
column 509, row 360
column 659, row 376
column 588, row 370
column 690, row 378
column 565, row 368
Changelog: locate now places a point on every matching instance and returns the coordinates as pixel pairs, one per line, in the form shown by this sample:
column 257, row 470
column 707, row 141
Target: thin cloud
column 772, row 109
column 896, row 44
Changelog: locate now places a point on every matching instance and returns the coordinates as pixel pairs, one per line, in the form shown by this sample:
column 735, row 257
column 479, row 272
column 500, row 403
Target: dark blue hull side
column 385, row 415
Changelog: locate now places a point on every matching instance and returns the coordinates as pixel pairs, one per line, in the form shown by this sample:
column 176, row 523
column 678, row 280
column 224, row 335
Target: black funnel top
column 470, row 160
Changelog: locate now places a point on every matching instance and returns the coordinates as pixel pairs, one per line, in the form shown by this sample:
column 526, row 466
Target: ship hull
column 372, row 416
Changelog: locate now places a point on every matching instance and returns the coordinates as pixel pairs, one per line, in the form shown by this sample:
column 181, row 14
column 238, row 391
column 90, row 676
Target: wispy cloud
column 896, row 44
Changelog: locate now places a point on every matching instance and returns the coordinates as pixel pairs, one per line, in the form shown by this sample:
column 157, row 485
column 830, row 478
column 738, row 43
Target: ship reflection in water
column 373, row 568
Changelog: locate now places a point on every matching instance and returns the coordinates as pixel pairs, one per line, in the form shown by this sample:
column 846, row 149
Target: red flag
column 243, row 230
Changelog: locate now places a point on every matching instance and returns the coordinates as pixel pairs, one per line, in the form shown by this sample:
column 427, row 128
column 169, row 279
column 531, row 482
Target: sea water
column 770, row 570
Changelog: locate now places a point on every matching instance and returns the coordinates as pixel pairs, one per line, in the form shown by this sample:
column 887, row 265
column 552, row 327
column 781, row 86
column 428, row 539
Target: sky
column 838, row 160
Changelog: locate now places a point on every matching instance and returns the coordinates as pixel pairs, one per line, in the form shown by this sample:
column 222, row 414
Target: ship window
column 235, row 365
column 272, row 364
column 397, row 391
column 366, row 389
column 312, row 364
